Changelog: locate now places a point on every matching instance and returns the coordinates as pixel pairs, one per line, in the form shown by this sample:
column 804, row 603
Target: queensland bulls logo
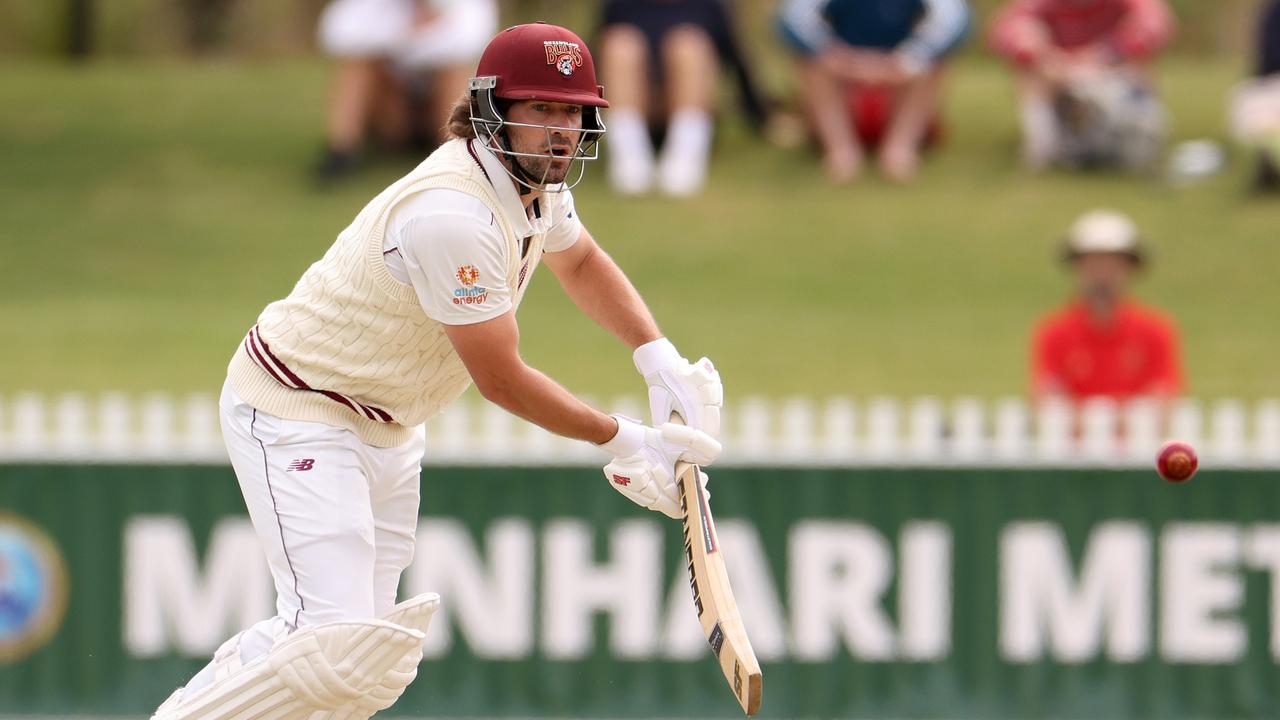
column 565, row 56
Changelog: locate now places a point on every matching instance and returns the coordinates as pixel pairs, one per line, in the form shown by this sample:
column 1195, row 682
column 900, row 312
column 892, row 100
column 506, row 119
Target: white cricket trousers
column 336, row 517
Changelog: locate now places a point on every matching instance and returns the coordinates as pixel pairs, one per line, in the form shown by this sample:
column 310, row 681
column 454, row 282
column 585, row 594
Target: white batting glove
column 692, row 390
column 644, row 459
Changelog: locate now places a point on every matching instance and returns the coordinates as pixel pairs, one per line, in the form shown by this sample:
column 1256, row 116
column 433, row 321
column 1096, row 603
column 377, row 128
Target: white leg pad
column 314, row 669
column 414, row 613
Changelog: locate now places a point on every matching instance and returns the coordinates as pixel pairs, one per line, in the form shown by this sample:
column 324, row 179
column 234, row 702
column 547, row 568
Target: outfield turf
column 148, row 212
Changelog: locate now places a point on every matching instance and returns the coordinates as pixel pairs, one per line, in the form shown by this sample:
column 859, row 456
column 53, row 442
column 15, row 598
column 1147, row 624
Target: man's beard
column 535, row 167
column 1101, row 293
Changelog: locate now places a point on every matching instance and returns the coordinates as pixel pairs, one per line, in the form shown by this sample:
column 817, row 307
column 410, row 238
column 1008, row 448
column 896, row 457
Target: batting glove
column 644, row 459
column 692, row 390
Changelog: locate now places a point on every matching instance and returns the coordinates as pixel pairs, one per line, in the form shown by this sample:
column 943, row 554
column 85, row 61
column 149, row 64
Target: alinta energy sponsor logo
column 33, row 588
column 470, row 292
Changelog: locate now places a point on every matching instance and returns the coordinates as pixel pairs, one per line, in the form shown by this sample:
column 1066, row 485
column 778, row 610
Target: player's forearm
column 529, row 394
column 600, row 289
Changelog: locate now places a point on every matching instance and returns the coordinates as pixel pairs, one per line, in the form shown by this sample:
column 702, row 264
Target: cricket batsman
column 325, row 398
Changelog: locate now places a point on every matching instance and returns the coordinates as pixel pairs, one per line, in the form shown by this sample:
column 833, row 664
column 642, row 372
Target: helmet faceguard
column 537, row 62
column 490, row 124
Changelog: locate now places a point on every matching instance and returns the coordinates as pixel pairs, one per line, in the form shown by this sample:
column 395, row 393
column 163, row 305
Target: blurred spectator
column 1103, row 343
column 1255, row 114
column 401, row 66
column 1086, row 92
column 871, row 75
column 660, row 60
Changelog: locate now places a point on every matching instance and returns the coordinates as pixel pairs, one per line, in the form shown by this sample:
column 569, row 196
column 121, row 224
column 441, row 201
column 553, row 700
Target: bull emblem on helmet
column 565, row 56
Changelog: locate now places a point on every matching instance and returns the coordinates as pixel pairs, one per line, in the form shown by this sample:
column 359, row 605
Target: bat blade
column 713, row 599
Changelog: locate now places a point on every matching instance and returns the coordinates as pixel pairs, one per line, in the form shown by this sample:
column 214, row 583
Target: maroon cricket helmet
column 542, row 61
column 537, row 61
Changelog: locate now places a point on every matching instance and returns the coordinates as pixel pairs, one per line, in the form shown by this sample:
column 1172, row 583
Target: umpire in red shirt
column 1102, row 342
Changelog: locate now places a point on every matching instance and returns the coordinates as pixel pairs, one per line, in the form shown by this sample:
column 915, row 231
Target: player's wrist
column 655, row 355
column 627, row 440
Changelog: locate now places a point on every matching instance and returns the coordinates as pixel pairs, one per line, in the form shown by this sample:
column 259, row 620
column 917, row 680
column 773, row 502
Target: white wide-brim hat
column 1103, row 231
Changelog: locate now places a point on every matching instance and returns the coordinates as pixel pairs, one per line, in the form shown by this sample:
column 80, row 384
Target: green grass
column 149, row 211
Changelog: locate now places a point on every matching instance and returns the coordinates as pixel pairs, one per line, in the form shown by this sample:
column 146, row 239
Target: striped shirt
column 1131, row 29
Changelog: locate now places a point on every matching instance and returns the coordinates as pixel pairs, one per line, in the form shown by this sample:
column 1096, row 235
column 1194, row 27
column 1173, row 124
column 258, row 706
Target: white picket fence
column 794, row 431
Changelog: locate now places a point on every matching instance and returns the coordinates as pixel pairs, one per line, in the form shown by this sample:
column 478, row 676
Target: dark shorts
column 1269, row 40
column 655, row 18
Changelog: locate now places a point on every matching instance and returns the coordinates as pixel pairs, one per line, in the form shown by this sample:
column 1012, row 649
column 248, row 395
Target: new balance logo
column 302, row 465
column 622, row 480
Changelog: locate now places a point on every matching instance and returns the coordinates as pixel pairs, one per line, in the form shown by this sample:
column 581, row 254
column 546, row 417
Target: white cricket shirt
column 433, row 234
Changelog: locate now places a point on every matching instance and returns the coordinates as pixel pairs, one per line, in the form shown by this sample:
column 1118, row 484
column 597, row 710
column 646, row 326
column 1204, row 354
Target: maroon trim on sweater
column 383, row 415
column 297, row 381
column 476, row 157
column 256, row 355
column 267, row 360
column 342, row 399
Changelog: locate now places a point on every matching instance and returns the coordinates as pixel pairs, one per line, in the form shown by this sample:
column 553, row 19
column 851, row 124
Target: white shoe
column 630, row 176
column 682, row 176
column 630, row 154
column 683, row 168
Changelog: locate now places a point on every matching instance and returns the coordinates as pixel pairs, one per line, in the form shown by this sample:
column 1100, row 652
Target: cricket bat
column 712, row 596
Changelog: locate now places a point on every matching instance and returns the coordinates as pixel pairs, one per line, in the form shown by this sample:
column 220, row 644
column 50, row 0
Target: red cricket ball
column 1176, row 461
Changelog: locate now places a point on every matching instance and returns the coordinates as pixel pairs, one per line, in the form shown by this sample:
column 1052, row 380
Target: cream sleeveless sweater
column 351, row 345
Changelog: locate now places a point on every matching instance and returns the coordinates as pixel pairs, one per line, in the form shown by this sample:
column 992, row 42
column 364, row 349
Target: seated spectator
column 401, row 66
column 1103, row 343
column 1255, row 115
column 871, row 74
column 1084, row 79
column 659, row 61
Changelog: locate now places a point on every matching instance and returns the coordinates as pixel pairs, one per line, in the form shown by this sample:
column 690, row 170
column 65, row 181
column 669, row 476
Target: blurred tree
column 206, row 24
column 581, row 15
column 79, row 28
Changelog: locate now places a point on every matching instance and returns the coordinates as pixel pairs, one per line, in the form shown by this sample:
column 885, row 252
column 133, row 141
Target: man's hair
column 459, row 123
